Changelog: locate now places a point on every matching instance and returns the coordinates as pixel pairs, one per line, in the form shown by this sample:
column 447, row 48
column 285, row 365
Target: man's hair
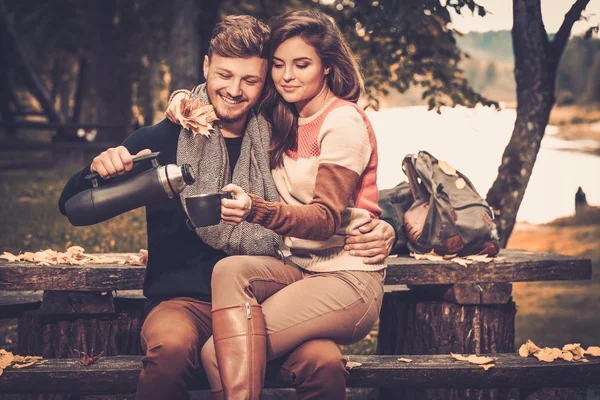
column 239, row 36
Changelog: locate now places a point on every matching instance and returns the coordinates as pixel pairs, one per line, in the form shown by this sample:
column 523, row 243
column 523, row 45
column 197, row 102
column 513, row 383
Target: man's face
column 234, row 85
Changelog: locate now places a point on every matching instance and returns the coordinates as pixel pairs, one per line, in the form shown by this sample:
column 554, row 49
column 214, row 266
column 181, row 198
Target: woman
column 324, row 162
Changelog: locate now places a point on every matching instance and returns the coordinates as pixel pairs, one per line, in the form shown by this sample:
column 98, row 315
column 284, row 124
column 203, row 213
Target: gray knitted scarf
column 209, row 158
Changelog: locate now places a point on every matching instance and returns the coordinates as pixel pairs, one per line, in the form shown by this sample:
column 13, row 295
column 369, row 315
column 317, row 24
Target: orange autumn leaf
column 593, row 351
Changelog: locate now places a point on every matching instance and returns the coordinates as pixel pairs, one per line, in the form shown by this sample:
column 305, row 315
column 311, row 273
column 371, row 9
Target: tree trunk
column 6, row 113
column 190, row 33
column 81, row 89
column 58, row 335
column 416, row 322
column 110, row 75
column 31, row 79
column 536, row 64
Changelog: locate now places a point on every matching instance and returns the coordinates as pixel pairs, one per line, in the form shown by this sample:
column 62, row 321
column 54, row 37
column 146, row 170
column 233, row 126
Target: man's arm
column 110, row 163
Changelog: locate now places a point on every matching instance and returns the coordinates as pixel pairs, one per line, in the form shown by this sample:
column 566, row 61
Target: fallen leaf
column 480, row 258
column 570, row 347
column 352, row 364
column 567, row 356
column 487, row 366
column 523, row 350
column 478, row 360
column 19, row 366
column 461, row 261
column 406, row 360
column 459, row 357
column 85, row 360
column 546, row 354
column 446, row 168
column 593, row 351
column 9, row 257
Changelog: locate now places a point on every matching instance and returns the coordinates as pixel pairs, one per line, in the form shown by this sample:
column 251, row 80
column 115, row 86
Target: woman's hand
column 374, row 244
column 173, row 112
column 236, row 210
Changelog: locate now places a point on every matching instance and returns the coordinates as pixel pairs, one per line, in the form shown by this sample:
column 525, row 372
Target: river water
column 473, row 140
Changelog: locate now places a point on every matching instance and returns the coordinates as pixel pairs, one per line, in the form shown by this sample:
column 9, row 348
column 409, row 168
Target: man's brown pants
column 176, row 330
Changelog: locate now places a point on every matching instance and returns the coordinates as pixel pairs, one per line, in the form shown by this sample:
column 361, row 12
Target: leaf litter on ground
column 75, row 255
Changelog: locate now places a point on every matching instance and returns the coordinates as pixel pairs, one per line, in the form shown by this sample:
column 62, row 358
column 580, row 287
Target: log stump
column 55, row 332
column 418, row 322
column 89, row 322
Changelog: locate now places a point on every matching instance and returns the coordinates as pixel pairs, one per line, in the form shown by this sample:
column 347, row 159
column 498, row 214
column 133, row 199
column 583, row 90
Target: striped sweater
column 328, row 189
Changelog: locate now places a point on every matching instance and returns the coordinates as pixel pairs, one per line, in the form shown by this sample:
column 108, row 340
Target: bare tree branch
column 564, row 32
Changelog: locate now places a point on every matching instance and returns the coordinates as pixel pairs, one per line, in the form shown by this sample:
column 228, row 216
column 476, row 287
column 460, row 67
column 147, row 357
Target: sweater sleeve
column 344, row 154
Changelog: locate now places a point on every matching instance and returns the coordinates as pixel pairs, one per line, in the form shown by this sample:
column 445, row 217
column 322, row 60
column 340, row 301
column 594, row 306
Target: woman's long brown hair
column 344, row 79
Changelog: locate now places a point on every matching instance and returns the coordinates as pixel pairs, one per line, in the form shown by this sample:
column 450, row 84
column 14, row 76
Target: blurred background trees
column 114, row 62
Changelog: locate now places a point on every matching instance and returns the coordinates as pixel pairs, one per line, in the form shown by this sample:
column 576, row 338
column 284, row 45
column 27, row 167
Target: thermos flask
column 101, row 203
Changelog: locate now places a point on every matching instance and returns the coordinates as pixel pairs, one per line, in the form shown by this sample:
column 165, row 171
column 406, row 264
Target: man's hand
column 173, row 112
column 374, row 244
column 237, row 210
column 114, row 161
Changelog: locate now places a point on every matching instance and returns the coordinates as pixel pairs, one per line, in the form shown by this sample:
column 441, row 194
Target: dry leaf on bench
column 593, row 351
column 567, row 356
column 459, row 357
column 571, row 347
column 548, row 354
column 85, row 360
column 406, row 360
column 484, row 362
column 528, row 348
column 74, row 256
column 352, row 364
column 431, row 256
column 461, row 261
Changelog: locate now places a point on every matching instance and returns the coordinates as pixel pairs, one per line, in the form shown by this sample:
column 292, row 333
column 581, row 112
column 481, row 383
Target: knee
column 317, row 362
column 229, row 270
column 173, row 350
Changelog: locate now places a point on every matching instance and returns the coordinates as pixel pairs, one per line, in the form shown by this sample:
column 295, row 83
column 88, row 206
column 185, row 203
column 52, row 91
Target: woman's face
column 297, row 71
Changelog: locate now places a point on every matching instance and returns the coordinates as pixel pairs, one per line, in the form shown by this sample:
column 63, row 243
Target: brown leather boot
column 241, row 350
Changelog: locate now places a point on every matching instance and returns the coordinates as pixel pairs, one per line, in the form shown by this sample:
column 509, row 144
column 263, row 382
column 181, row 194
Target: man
column 178, row 275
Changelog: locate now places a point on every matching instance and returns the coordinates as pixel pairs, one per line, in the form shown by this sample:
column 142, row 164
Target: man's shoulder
column 161, row 129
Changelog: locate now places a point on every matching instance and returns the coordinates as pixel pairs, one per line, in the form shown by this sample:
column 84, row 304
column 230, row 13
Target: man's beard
column 226, row 118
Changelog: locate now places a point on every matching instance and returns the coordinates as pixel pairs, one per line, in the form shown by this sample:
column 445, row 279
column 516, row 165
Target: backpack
column 394, row 203
column 448, row 215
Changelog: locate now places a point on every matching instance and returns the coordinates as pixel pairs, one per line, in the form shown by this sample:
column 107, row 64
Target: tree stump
column 89, row 322
column 418, row 322
column 83, row 321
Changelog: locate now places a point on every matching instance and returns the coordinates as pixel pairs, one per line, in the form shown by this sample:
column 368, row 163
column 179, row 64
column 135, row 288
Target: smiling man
column 178, row 276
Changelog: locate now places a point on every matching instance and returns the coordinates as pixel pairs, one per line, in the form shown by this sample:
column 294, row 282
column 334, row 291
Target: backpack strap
column 417, row 188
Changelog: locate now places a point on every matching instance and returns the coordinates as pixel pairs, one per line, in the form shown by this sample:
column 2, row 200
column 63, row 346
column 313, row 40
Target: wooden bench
column 119, row 374
column 450, row 308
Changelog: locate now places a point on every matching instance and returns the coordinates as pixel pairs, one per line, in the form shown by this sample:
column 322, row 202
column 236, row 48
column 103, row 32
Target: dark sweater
column 179, row 263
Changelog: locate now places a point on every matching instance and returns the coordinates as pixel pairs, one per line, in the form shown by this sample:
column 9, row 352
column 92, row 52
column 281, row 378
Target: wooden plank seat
column 119, row 374
column 519, row 266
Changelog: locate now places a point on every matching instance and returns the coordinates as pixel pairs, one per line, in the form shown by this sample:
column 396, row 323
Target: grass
column 32, row 221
